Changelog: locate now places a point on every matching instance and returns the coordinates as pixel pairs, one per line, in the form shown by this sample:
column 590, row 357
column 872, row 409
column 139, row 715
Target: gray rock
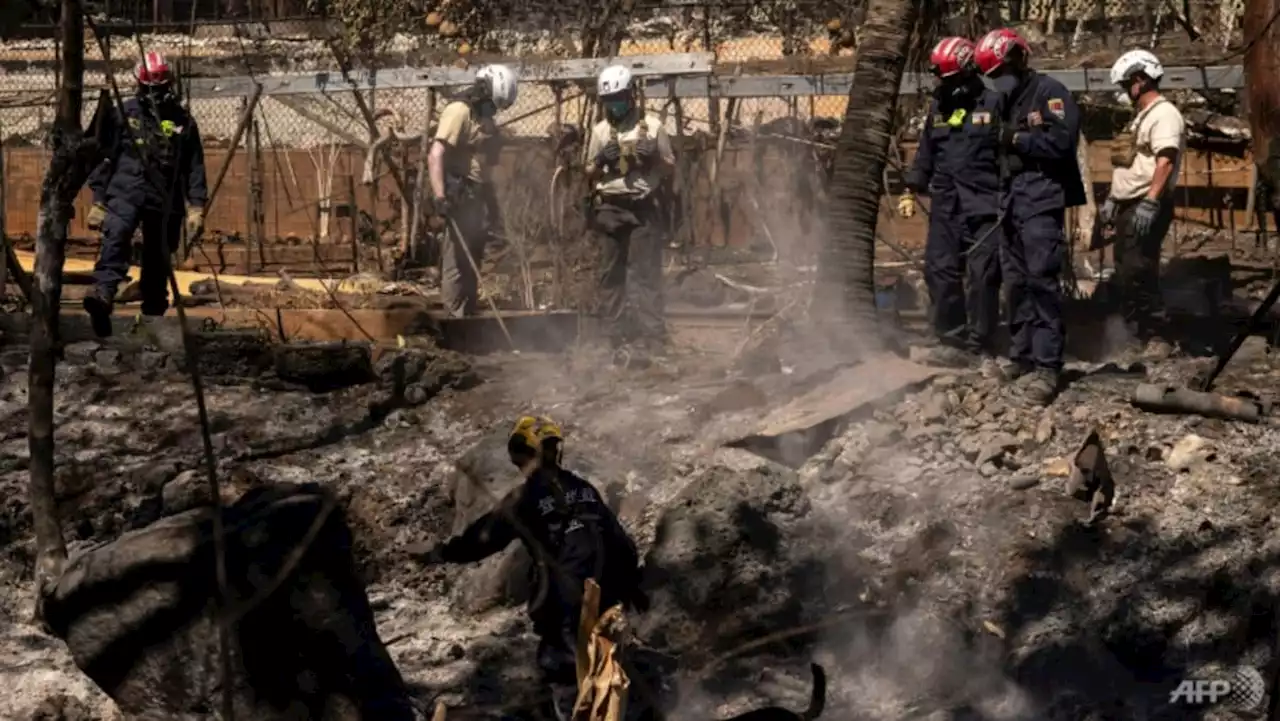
column 934, row 407
column 973, row 403
column 1189, row 452
column 917, row 434
column 1044, row 429
column 152, row 360
column 186, row 491
column 81, row 352
column 882, row 434
column 108, row 359
column 416, row 394
column 62, row 707
column 995, row 446
column 1024, row 481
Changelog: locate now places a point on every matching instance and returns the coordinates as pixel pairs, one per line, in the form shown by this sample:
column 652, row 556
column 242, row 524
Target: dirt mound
column 724, row 564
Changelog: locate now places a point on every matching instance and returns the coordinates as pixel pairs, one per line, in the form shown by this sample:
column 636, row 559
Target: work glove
column 646, row 149
column 97, row 214
column 1007, row 136
column 195, row 221
column 907, row 204
column 442, row 206
column 439, row 219
column 610, row 154
column 1107, row 212
column 1144, row 217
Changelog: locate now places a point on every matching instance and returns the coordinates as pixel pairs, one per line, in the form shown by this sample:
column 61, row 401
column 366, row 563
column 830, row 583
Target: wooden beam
column 684, row 75
column 581, row 70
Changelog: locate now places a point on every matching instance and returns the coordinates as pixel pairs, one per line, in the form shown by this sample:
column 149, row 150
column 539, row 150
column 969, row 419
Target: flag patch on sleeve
column 1057, row 107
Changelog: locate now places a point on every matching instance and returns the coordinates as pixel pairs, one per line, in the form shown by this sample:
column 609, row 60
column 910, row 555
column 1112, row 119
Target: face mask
column 950, row 88
column 617, row 109
column 1123, row 98
column 487, row 109
column 1006, row 83
column 155, row 93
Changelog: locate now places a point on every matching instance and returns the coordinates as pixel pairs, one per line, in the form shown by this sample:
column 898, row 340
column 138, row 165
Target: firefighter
column 460, row 165
column 1139, row 207
column 155, row 165
column 957, row 165
column 629, row 157
column 1039, row 132
column 572, row 535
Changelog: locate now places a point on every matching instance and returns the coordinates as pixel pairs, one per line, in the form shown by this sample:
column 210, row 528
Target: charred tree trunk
column 857, row 183
column 72, row 159
column 1262, row 94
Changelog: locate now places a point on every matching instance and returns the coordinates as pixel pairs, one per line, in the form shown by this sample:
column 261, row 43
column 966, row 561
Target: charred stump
column 140, row 618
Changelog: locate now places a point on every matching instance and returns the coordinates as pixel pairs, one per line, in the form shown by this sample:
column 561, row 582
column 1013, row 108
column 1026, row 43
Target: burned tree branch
column 73, row 158
column 344, row 64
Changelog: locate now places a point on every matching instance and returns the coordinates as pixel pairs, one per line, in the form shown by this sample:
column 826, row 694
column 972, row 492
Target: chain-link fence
column 305, row 178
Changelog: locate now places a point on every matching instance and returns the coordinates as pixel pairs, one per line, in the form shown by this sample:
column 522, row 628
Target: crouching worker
column 629, row 157
column 154, row 167
column 572, row 536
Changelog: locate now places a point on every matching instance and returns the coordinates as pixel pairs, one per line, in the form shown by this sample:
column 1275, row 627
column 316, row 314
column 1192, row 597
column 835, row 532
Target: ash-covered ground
column 927, row 555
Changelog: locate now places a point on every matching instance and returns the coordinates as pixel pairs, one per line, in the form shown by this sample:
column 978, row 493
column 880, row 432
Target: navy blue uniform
column 157, row 159
column 958, row 166
column 1043, row 181
column 573, row 536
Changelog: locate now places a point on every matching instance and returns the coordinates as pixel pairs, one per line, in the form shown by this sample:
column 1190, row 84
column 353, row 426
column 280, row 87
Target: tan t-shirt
column 472, row 142
column 1157, row 128
column 635, row 184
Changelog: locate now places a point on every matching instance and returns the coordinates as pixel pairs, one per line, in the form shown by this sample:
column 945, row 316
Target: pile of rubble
column 929, row 554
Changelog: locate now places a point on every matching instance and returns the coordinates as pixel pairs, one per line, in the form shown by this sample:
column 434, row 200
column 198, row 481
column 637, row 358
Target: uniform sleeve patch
column 1057, row 107
column 981, row 118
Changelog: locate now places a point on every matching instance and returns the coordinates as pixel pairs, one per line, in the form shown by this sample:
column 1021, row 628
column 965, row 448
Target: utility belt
column 626, row 202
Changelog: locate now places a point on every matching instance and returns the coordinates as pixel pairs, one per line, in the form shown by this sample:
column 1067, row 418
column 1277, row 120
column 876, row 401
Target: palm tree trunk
column 857, row 183
column 1262, row 96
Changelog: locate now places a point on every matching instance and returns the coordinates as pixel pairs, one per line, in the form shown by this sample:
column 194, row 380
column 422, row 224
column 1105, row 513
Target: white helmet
column 613, row 79
column 1133, row 62
column 502, row 84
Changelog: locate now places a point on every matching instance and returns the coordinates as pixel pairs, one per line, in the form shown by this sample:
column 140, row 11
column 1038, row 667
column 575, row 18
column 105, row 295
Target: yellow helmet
column 536, row 436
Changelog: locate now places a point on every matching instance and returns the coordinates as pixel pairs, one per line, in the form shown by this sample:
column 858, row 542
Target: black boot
column 98, row 306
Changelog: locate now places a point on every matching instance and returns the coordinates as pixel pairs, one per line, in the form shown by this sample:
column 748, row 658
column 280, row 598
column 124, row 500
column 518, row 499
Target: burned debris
column 282, row 472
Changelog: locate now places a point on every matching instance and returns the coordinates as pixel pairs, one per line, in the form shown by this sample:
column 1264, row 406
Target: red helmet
column 153, row 70
column 994, row 48
column 950, row 56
